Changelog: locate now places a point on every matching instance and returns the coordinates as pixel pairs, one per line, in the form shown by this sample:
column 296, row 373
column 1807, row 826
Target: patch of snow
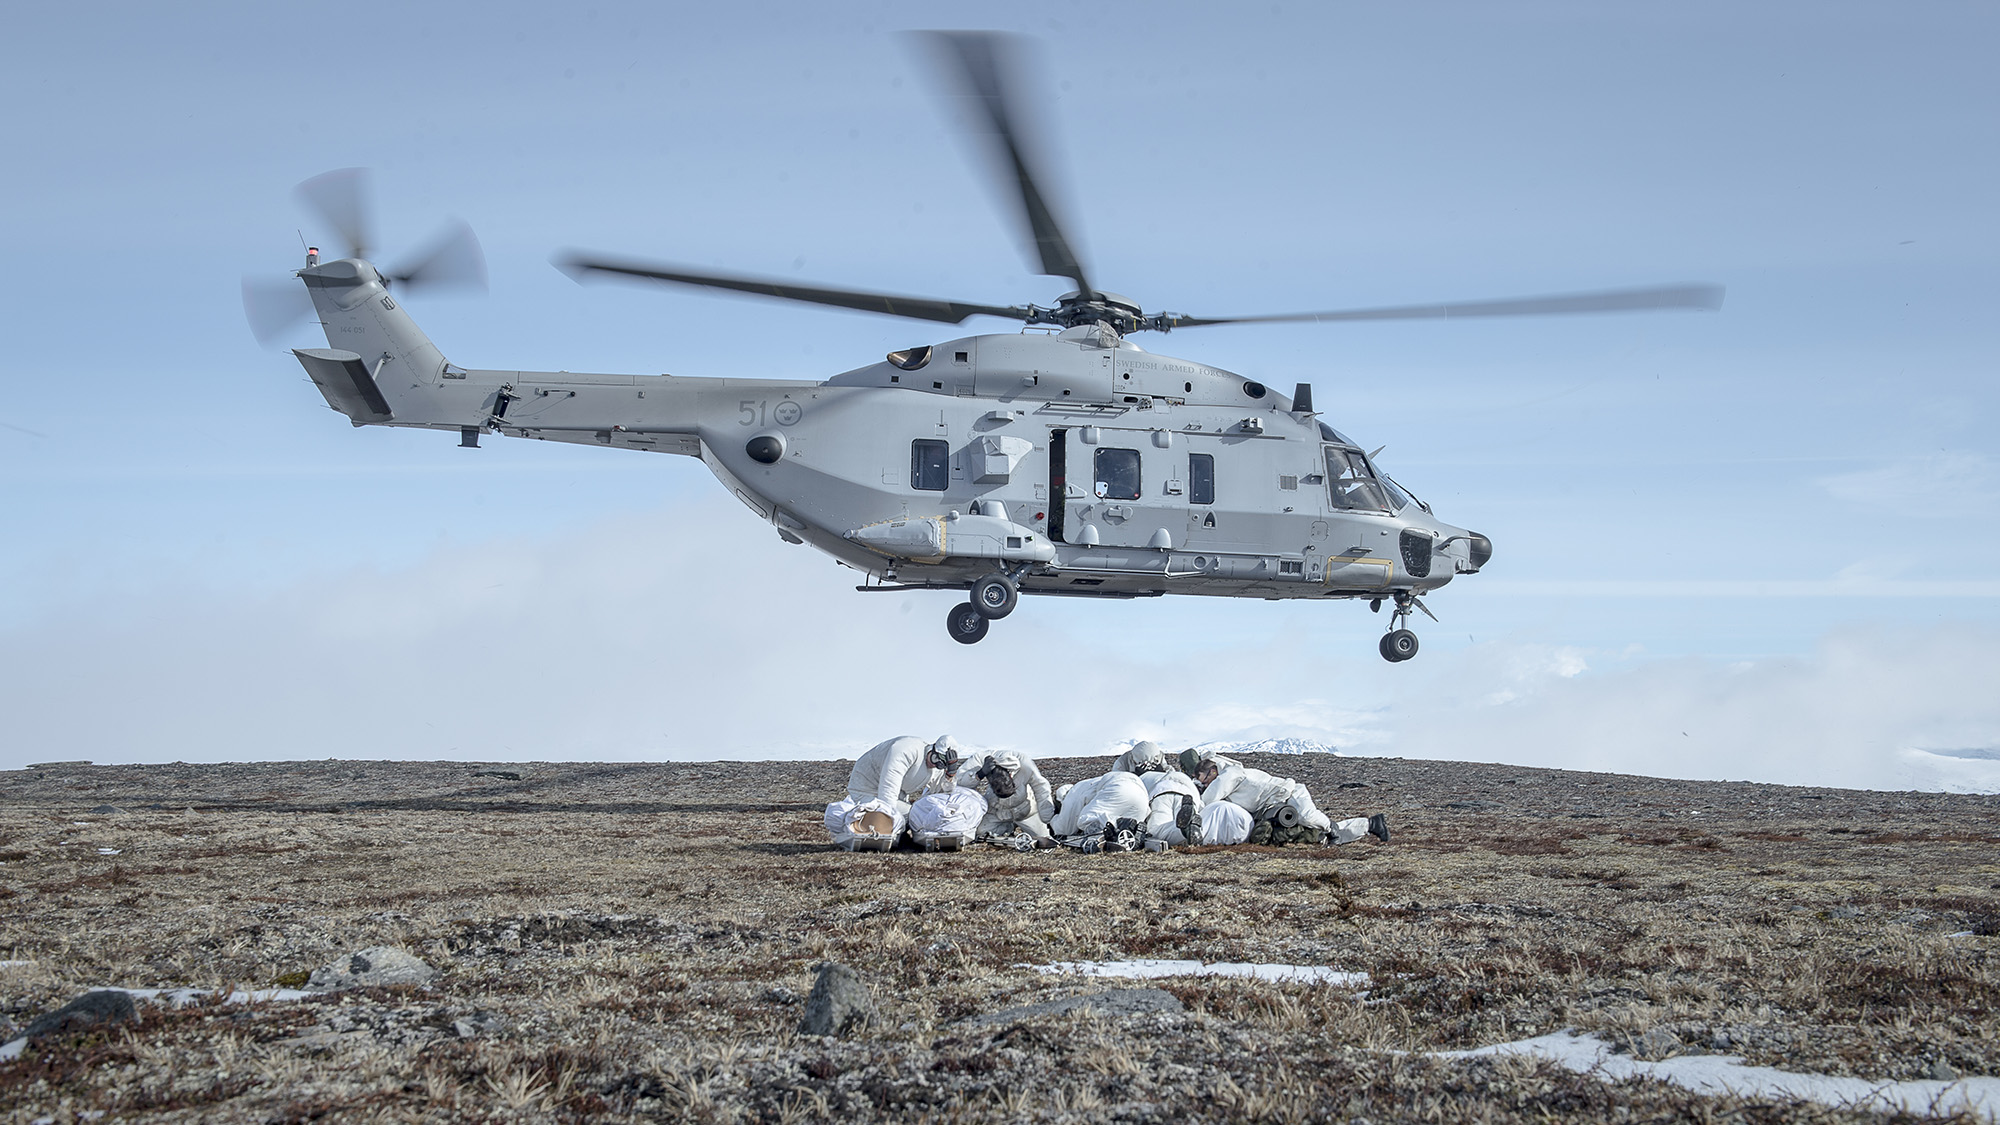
column 182, row 997
column 172, row 997
column 1148, row 969
column 1726, row 1074
column 107, row 851
column 1271, row 746
column 14, row 964
column 1977, row 754
column 1953, row 771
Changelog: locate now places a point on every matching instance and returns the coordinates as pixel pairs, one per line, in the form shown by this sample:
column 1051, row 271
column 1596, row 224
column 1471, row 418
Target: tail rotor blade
column 273, row 306
column 341, row 198
column 455, row 261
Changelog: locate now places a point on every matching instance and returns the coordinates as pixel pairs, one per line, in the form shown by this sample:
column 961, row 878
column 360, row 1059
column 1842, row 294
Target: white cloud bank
column 698, row 636
column 1872, row 707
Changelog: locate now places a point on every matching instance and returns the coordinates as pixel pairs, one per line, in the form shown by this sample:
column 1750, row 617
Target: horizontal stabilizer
column 346, row 383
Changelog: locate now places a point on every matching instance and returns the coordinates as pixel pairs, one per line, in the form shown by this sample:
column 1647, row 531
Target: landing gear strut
column 1399, row 644
column 993, row 597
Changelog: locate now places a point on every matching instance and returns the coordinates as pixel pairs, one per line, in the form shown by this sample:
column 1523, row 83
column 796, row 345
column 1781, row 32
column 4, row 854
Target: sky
column 1760, row 543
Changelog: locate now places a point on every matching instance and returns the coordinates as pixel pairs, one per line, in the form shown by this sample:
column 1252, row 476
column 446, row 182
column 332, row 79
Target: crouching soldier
column 1103, row 813
column 1282, row 809
column 1180, row 817
column 882, row 786
column 903, row 769
column 1019, row 804
column 1142, row 758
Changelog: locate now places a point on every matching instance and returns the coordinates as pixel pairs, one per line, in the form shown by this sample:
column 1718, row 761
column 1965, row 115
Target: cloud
column 696, row 635
column 1859, row 712
column 1951, row 484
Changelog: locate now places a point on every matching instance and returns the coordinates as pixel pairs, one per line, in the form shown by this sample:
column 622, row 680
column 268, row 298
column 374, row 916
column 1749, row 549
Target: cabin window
column 1201, row 478
column 1118, row 474
column 930, row 465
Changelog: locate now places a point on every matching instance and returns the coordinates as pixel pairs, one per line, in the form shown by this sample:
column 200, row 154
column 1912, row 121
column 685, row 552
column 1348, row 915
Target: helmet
column 943, row 754
column 1190, row 761
column 1007, row 760
column 1147, row 757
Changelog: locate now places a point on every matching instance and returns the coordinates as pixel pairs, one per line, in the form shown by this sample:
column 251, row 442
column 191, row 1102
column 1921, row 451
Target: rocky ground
column 634, row 942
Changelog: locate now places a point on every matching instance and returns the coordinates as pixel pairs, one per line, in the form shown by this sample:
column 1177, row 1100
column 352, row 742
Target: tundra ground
column 633, row 942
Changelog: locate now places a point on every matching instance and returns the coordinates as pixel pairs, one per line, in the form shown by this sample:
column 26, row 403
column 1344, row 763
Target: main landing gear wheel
column 966, row 624
column 995, row 596
column 1398, row 645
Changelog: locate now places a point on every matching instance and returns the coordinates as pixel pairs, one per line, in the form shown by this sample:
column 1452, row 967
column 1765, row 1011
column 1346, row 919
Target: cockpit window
column 1400, row 496
column 1398, row 499
column 1351, row 483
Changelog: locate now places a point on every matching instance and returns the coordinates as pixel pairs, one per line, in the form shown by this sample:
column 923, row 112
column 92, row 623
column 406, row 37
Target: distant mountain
column 1272, row 746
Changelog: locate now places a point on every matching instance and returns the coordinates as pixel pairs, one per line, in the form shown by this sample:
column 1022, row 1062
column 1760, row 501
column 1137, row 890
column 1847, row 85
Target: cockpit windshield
column 1401, row 497
column 1351, row 482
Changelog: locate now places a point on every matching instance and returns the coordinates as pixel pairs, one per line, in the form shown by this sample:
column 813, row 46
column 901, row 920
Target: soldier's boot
column 1378, row 827
column 1188, row 820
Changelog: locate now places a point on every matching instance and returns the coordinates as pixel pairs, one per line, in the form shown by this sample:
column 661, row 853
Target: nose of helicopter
column 1480, row 549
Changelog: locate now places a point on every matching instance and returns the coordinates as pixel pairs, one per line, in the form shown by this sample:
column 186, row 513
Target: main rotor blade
column 1602, row 300
column 272, row 306
column 580, row 266
column 341, row 197
column 984, row 67
column 454, row 261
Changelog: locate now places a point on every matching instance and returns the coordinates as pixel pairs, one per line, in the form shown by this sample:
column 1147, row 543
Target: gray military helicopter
column 1058, row 459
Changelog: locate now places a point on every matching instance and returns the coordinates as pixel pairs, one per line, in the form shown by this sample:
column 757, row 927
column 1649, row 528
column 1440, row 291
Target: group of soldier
column 941, row 798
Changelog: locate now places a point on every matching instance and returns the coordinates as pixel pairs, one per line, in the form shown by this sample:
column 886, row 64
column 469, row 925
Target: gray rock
column 839, row 1004
column 477, row 1024
column 1113, row 1004
column 92, row 1009
column 1656, row 1043
column 381, row 965
column 1941, row 1070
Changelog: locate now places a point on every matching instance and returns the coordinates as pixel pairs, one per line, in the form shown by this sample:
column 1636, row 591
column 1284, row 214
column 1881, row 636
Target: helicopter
column 1059, row 459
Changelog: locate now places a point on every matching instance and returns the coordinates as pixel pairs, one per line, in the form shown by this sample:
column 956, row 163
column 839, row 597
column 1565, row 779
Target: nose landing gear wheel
column 966, row 624
column 995, row 596
column 1398, row 645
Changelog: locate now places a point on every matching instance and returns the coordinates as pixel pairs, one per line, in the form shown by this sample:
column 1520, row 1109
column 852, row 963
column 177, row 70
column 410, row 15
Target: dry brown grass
column 630, row 943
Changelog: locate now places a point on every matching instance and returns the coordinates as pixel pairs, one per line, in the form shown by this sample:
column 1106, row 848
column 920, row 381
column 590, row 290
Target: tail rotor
column 453, row 260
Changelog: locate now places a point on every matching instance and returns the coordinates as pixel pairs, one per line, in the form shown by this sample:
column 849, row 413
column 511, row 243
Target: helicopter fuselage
column 1074, row 463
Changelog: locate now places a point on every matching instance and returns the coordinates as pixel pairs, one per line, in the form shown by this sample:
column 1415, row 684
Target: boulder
column 92, row 1009
column 839, row 1004
column 381, row 965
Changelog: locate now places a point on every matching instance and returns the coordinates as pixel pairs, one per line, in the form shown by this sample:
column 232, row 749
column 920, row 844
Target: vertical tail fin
column 376, row 353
